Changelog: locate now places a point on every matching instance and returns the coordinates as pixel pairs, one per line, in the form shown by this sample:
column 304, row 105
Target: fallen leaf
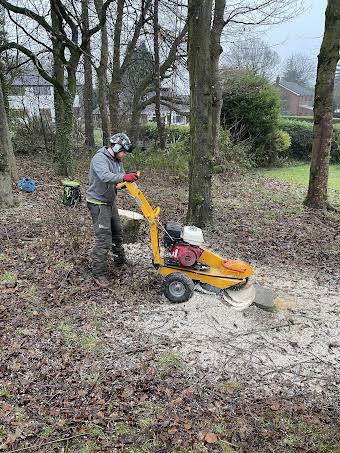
column 275, row 406
column 9, row 290
column 210, row 438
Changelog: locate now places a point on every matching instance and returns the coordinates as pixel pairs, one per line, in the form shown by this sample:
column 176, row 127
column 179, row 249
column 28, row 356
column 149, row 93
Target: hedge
column 309, row 119
column 301, row 136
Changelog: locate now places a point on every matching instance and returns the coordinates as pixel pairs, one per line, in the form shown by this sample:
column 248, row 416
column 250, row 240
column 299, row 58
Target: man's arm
column 101, row 169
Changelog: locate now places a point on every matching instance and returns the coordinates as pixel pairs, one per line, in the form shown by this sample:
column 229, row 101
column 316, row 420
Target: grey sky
column 302, row 33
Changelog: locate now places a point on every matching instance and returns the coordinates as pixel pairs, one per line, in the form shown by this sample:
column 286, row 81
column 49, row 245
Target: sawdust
column 296, row 345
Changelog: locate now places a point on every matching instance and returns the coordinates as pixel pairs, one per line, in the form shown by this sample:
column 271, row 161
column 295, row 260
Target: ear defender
column 117, row 148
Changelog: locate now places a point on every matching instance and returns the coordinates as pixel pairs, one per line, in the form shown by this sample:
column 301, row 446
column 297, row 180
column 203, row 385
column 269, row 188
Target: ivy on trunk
column 200, row 204
column 6, row 193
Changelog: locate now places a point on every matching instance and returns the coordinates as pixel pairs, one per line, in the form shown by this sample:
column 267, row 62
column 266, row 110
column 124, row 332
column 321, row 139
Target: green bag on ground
column 71, row 194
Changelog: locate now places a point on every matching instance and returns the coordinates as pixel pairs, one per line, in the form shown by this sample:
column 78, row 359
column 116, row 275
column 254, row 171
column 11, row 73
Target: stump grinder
column 187, row 265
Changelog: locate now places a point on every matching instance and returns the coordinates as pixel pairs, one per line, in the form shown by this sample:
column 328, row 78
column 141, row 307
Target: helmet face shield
column 123, row 142
column 128, row 147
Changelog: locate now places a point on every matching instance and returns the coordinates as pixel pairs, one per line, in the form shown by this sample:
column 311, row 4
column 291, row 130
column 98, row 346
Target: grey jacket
column 105, row 173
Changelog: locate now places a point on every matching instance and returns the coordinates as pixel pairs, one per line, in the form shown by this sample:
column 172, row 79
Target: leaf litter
column 123, row 370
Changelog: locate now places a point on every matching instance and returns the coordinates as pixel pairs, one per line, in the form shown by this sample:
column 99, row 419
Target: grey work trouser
column 109, row 235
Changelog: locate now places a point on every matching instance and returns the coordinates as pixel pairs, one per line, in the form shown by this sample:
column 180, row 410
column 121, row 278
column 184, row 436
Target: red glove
column 130, row 177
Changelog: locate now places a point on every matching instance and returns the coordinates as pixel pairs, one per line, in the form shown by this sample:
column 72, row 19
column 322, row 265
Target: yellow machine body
column 219, row 272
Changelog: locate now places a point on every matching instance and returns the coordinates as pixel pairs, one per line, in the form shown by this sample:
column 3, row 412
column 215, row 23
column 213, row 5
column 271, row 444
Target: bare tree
column 88, row 80
column 147, row 84
column 157, row 75
column 200, row 205
column 255, row 55
column 119, row 67
column 6, row 193
column 203, row 115
column 102, row 77
column 299, row 68
column 317, row 196
column 65, row 40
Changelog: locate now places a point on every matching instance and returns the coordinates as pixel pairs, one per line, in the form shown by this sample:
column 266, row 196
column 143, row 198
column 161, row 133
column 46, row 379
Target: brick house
column 295, row 99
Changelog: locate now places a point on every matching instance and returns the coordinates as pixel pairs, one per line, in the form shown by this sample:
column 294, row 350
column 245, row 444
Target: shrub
column 276, row 148
column 174, row 161
column 232, row 155
column 32, row 135
column 250, row 110
column 301, row 133
column 173, row 133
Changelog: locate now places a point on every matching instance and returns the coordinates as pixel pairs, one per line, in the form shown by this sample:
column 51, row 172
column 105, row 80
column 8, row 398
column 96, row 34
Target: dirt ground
column 84, row 370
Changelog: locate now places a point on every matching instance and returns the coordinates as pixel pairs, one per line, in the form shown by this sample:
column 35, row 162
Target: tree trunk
column 11, row 157
column 323, row 108
column 200, row 205
column 134, row 129
column 216, row 50
column 88, row 82
column 102, row 80
column 116, row 81
column 6, row 192
column 63, row 107
column 64, row 133
column 157, row 77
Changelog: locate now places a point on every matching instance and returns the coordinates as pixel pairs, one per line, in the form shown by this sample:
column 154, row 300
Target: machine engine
column 182, row 244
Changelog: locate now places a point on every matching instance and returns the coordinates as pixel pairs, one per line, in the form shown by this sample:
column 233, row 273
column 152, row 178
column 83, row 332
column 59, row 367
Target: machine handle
column 121, row 185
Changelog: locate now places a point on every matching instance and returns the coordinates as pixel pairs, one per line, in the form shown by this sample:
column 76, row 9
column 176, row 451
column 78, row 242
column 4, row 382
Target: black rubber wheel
column 177, row 287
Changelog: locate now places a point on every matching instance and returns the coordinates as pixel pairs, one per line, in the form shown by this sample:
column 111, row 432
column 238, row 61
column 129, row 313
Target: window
column 45, row 113
column 42, row 90
column 19, row 113
column 17, row 90
column 179, row 119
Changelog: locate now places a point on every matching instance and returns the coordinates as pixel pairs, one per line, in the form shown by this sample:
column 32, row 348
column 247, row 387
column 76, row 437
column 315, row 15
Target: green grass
column 299, row 175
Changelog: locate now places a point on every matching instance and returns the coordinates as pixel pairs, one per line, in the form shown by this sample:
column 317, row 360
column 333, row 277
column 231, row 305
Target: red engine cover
column 185, row 255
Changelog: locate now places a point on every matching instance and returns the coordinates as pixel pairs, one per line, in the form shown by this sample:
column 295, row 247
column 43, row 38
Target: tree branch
column 36, row 62
column 29, row 13
column 132, row 43
column 100, row 24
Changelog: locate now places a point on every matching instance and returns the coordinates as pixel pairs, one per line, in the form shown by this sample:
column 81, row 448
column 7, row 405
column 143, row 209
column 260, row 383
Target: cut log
column 131, row 222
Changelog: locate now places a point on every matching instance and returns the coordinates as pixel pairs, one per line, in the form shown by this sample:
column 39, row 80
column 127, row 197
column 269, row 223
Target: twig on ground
column 62, row 439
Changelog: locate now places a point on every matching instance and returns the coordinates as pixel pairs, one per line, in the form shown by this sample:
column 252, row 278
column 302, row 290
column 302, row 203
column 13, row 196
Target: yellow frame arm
column 149, row 213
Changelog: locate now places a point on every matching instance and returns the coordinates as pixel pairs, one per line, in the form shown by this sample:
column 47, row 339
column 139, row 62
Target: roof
column 32, row 80
column 27, row 80
column 296, row 88
column 166, row 108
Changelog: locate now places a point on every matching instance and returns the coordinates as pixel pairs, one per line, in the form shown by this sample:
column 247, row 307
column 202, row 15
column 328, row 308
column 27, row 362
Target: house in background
column 295, row 99
column 170, row 116
column 31, row 95
column 175, row 111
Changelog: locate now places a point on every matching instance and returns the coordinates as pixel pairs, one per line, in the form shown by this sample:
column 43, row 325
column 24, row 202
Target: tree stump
column 131, row 222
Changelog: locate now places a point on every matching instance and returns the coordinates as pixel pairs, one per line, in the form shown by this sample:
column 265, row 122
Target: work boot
column 120, row 261
column 102, row 282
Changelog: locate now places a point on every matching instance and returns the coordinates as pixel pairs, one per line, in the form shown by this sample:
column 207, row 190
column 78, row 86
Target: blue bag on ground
column 26, row 184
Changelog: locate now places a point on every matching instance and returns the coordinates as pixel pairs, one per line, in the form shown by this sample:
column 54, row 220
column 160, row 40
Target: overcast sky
column 301, row 34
